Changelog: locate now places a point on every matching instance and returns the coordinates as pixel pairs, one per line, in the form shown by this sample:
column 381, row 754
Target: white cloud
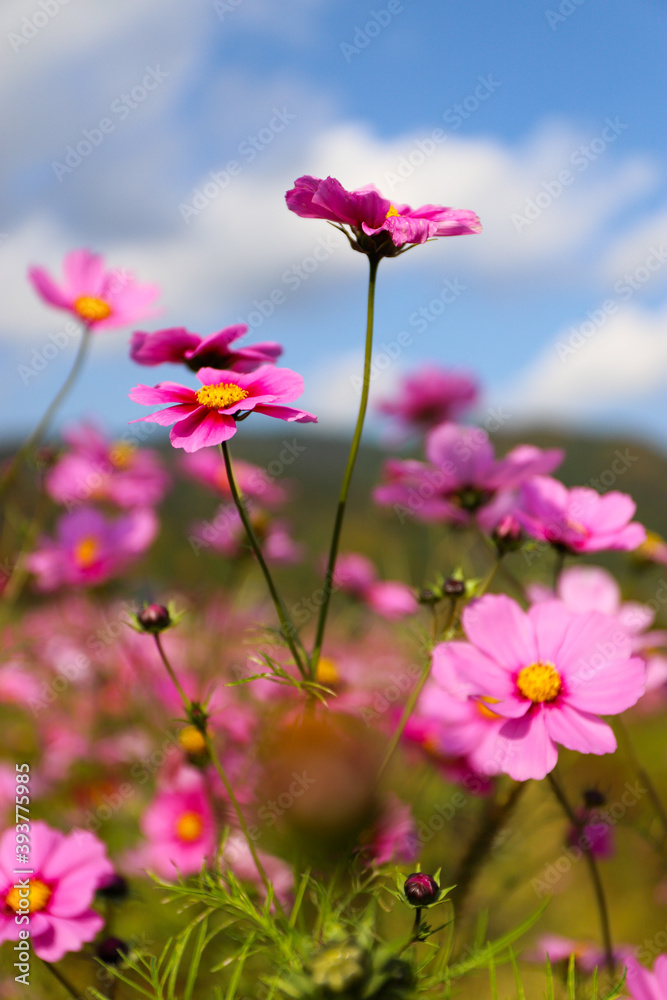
column 586, row 368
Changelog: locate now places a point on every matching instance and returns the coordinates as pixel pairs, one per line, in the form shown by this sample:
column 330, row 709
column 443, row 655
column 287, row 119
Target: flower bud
column 428, row 596
column 420, row 889
column 111, row 950
column 154, row 618
column 115, row 888
column 453, row 587
column 593, row 798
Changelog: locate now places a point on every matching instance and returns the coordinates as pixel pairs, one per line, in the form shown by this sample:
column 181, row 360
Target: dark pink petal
column 163, row 392
column 283, row 384
column 166, row 417
column 170, row 345
column 577, row 730
column 627, row 539
column 288, row 413
column 464, row 455
column 219, row 342
column 65, row 935
column 525, row 749
column 497, row 625
column 202, row 429
column 524, row 461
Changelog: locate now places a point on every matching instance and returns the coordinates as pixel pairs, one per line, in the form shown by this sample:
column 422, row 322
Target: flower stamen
column 38, row 896
column 219, row 397
column 189, row 826
column 539, row 682
column 86, row 551
column 91, row 308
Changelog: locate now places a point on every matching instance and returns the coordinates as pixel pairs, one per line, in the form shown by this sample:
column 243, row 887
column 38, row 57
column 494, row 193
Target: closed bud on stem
column 154, row 618
column 111, row 950
column 421, row 889
column 453, row 587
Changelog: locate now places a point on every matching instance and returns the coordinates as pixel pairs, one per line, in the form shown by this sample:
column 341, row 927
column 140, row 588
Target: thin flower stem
column 349, row 470
column 61, row 979
column 215, row 760
column 641, row 771
column 598, row 888
column 495, row 814
column 288, row 629
column 187, row 704
column 35, row 438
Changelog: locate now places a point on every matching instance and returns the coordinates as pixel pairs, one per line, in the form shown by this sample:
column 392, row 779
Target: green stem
column 641, row 771
column 349, row 469
column 61, row 979
column 35, row 438
column 215, row 760
column 187, row 704
column 594, row 872
column 288, row 629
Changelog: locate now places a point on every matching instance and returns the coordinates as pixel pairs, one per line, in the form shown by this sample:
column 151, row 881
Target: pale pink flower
column 177, row 345
column 67, row 869
column 226, row 535
column 587, row 955
column 89, row 548
column 549, row 673
column 253, row 482
column 178, row 826
column 393, row 836
column 95, row 468
column 208, row 415
column 462, row 479
column 101, row 299
column 237, row 857
column 578, row 520
column 431, row 396
column 645, row 985
column 356, row 575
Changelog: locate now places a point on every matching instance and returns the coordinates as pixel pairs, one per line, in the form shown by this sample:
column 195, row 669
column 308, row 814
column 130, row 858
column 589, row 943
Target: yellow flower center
column 217, row 397
column 37, row 897
column 393, row 211
column 652, row 545
column 189, row 826
column 92, row 309
column 539, row 682
column 85, row 552
column 192, row 741
column 327, row 672
column 121, row 454
column 486, row 712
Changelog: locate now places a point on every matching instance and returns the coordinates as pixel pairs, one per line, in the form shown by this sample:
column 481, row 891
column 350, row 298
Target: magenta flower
column 89, row 548
column 431, row 396
column 596, row 835
column 101, row 299
column 66, row 870
column 356, row 575
column 179, row 827
column 393, row 837
column 178, row 346
column 579, row 520
column 549, row 673
column 254, row 483
column 98, row 469
column 462, row 479
column 378, row 226
column 645, row 985
column 227, row 536
column 207, row 416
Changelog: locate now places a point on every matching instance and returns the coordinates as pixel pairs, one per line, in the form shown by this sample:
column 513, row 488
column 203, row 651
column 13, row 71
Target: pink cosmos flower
column 236, row 855
column 253, row 482
column 207, row 416
column 225, row 533
column 179, row 827
column 98, row 469
column 462, row 479
column 587, row 955
column 89, row 548
column 101, row 299
column 431, row 396
column 596, row 836
column 645, row 985
column 368, row 214
column 66, row 871
column 549, row 673
column 177, row 345
column 356, row 575
column 393, row 836
column 579, row 520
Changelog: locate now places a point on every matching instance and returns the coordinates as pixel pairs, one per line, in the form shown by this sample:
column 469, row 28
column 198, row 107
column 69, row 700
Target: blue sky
column 561, row 308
